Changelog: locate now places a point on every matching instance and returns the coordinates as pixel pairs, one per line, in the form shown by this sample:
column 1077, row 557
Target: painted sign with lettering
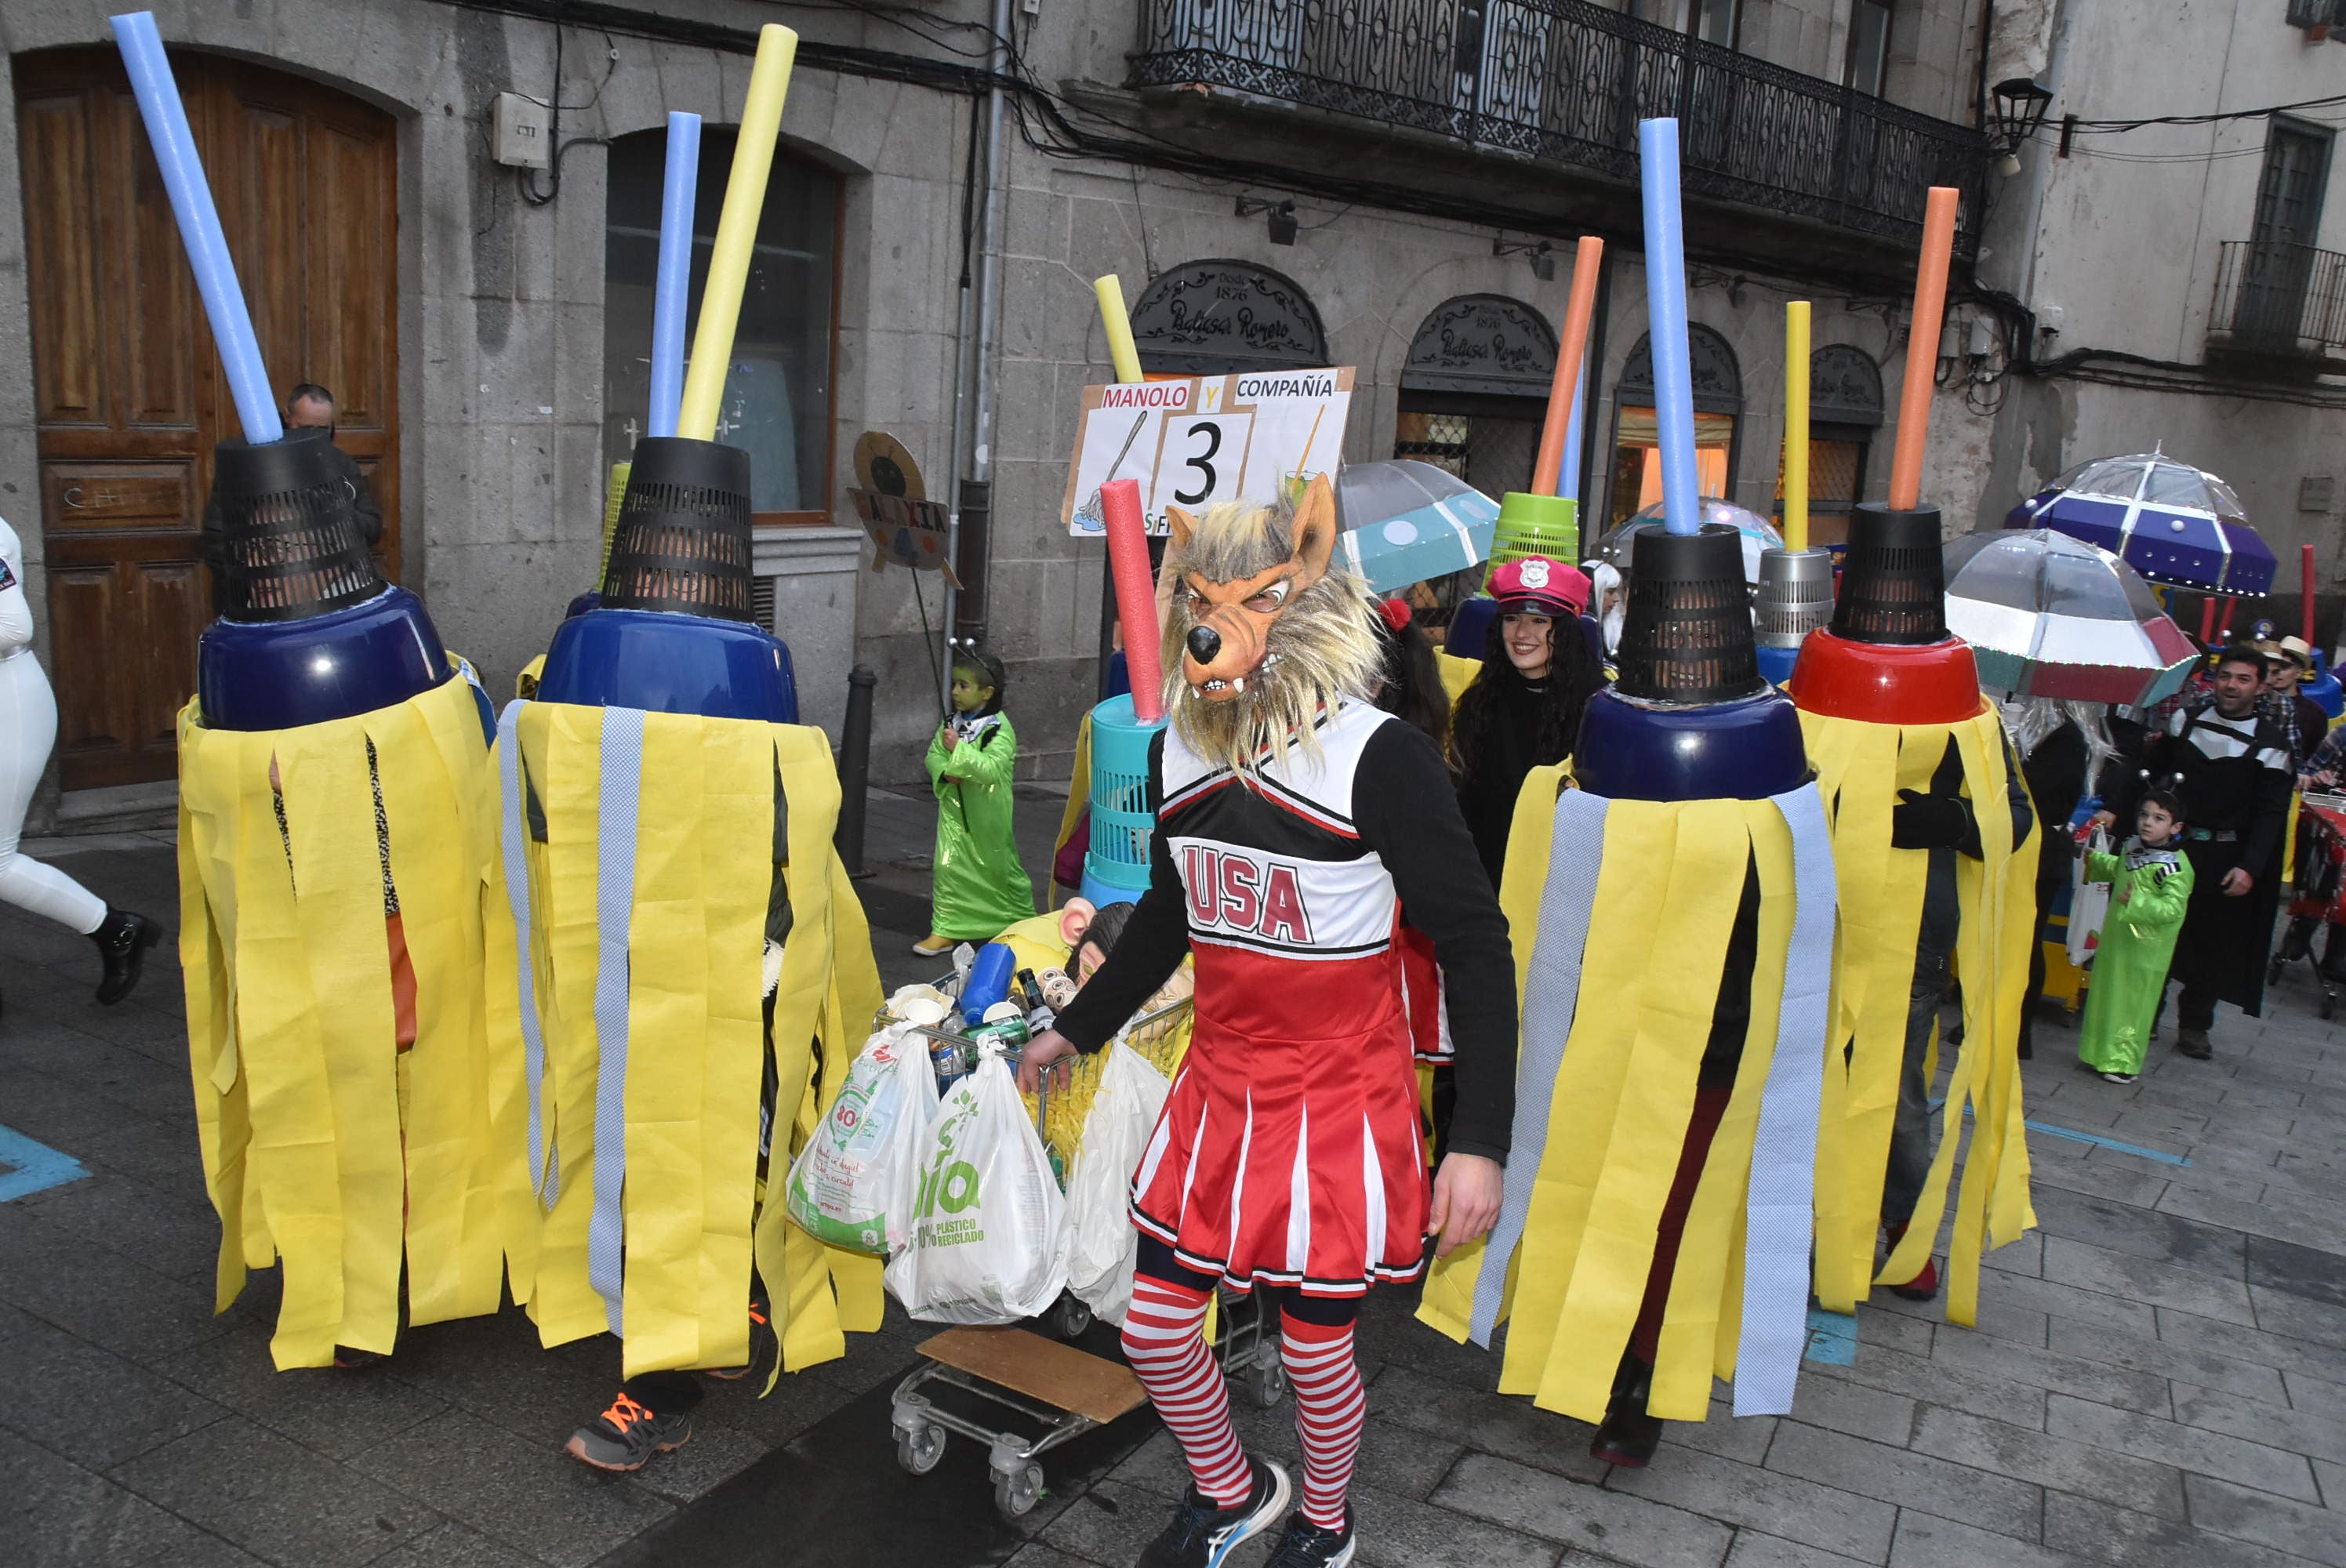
column 1194, row 443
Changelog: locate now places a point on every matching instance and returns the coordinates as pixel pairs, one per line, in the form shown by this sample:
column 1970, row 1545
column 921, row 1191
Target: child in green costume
column 2152, row 888
column 979, row 885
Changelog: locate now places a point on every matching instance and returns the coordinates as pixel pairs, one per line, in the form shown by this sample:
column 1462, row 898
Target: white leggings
column 28, row 728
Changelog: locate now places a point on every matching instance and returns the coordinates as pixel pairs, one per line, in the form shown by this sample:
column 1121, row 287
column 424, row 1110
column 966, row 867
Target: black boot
column 122, row 942
column 1629, row 1436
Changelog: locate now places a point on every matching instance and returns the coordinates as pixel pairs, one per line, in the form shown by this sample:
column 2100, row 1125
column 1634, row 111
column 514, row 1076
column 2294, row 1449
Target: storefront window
column 1636, row 468
column 777, row 405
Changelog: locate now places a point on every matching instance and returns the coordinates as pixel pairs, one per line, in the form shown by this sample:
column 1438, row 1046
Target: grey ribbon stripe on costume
column 516, row 846
column 1550, row 995
column 1779, row 1218
column 614, row 903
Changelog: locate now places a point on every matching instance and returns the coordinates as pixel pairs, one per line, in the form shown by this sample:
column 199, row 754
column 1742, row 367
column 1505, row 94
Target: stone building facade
column 1421, row 182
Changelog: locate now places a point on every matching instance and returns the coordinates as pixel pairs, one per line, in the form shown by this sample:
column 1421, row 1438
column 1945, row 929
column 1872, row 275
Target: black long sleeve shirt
column 1404, row 808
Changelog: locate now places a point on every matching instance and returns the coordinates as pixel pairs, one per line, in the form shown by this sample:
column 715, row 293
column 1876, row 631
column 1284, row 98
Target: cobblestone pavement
column 2159, row 1376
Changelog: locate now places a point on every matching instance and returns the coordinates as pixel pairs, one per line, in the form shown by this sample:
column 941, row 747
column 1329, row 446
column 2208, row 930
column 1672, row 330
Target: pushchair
column 2321, row 896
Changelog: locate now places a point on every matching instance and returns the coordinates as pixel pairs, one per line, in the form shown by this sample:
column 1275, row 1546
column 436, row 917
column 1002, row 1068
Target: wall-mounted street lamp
column 2020, row 108
column 1282, row 217
column 1542, row 253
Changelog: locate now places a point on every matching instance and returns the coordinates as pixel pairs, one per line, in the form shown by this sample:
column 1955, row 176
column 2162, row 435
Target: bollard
column 854, row 767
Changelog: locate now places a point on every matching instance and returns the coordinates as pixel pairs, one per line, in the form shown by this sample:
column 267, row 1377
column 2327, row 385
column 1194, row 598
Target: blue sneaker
column 1203, row 1534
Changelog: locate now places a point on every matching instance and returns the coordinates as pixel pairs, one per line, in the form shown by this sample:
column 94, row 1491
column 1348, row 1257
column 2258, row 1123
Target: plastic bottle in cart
column 1005, row 1024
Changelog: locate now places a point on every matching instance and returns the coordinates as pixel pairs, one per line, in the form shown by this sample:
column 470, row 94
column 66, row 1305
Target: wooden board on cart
column 1059, row 1375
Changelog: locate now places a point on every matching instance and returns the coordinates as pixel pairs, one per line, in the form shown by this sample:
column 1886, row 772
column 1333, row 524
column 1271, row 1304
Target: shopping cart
column 2321, row 897
column 1052, row 1394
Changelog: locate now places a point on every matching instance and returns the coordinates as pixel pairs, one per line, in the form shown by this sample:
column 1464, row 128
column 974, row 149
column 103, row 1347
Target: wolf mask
column 1264, row 633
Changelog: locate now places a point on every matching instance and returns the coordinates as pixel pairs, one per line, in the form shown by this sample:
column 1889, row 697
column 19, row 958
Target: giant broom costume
column 1673, row 981
column 666, row 991
column 332, row 773
column 1884, row 692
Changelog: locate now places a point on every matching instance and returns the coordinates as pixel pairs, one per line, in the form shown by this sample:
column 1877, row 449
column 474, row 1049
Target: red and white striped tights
column 1164, row 1341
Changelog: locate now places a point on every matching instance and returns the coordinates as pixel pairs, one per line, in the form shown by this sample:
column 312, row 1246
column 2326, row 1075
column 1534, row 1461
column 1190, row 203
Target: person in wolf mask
column 1293, row 818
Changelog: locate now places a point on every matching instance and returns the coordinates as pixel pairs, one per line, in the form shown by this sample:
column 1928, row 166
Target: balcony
column 2279, row 305
column 1562, row 84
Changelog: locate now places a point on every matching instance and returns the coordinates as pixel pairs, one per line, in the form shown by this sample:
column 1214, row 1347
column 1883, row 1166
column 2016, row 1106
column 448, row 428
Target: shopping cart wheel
column 2329, row 1002
column 1070, row 1317
column 1267, row 1381
column 1016, row 1494
column 918, row 1450
column 2272, row 970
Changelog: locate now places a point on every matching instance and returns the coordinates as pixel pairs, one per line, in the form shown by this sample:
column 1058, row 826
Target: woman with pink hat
column 1524, row 710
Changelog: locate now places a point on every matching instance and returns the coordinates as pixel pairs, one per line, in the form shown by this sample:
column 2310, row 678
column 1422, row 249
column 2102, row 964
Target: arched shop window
column 1474, row 390
column 1226, row 318
column 1844, row 413
column 1472, row 393
column 778, row 402
column 1718, row 424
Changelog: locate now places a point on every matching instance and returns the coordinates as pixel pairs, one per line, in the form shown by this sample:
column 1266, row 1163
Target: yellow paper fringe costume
column 1623, row 952
column 637, row 1028
column 1861, row 768
column 324, row 1144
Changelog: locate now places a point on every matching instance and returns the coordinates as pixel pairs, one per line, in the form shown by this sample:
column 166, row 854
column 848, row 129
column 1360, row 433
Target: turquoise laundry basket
column 1115, row 868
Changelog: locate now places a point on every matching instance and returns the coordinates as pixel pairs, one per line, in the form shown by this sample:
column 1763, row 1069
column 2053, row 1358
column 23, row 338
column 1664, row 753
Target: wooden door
column 129, row 396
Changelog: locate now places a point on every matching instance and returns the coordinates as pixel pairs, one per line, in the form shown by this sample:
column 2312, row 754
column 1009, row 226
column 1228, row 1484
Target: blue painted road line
column 27, row 1168
column 1832, row 1337
column 2116, row 1147
column 2110, row 1143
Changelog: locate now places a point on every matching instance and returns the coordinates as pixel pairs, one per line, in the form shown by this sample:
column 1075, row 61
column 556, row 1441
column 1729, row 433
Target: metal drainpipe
column 974, row 499
column 2040, row 172
column 950, row 495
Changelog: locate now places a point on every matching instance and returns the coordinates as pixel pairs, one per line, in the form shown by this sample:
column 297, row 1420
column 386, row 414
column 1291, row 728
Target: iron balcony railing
column 1566, row 81
column 2274, row 297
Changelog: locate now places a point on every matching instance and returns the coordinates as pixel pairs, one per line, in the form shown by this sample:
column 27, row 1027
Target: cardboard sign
column 910, row 533
column 1201, row 441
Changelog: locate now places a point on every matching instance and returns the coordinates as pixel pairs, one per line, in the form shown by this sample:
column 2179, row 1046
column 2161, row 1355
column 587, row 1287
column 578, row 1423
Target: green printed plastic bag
column 850, row 1185
column 987, row 1211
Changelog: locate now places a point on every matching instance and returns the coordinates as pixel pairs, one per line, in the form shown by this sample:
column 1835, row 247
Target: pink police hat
column 1542, row 587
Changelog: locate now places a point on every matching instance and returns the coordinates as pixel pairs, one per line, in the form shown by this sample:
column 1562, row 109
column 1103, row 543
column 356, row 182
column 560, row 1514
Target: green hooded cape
column 2131, row 965
column 980, row 887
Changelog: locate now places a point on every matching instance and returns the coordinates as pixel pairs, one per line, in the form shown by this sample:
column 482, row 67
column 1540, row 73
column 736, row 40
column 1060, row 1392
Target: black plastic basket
column 1893, row 580
column 682, row 542
column 291, row 545
column 1687, row 637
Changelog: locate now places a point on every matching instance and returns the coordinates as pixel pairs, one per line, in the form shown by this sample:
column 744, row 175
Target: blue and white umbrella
column 2170, row 521
column 1406, row 522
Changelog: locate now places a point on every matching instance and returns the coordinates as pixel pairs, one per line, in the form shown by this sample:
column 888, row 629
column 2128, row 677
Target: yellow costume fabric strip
column 432, row 769
column 1447, row 1301
column 306, row 1132
column 1631, row 1096
column 1079, row 799
column 1861, row 768
column 1701, row 1326
column 696, row 1174
column 207, row 904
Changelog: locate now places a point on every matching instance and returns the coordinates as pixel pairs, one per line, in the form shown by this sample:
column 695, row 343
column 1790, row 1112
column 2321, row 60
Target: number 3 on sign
column 1201, row 459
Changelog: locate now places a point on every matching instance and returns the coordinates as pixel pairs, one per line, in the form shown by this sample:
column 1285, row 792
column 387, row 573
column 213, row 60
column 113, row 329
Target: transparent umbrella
column 1405, row 522
column 2170, row 521
column 1759, row 535
column 2050, row 615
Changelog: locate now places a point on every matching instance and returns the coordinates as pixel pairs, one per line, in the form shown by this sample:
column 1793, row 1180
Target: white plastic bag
column 987, row 1211
column 1101, row 1244
column 2089, row 904
column 850, row 1185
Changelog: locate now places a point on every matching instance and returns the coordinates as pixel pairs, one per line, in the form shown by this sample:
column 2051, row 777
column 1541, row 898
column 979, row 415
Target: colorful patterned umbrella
column 2050, row 615
column 1405, row 522
column 2168, row 520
